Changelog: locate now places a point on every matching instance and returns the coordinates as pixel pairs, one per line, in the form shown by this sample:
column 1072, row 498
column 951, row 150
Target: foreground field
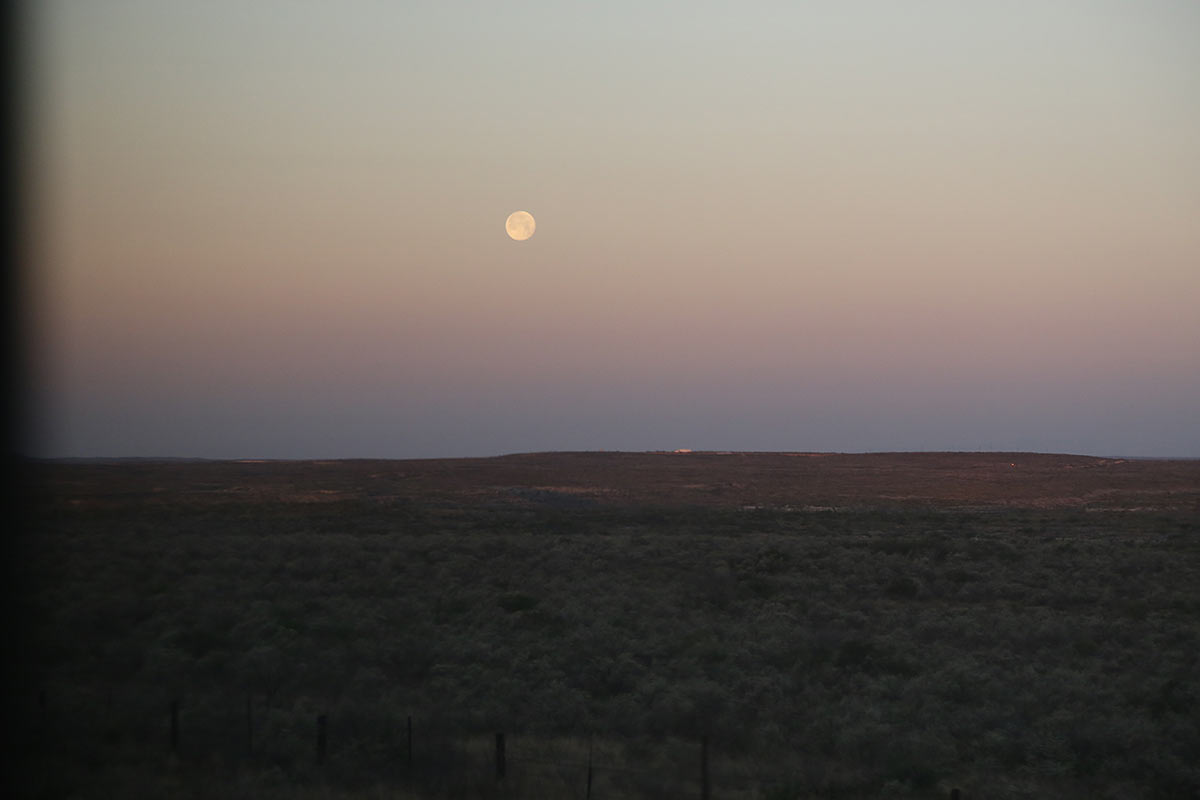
column 838, row 626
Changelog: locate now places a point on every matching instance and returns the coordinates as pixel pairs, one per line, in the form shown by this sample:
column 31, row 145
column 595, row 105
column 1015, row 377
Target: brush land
column 836, row 625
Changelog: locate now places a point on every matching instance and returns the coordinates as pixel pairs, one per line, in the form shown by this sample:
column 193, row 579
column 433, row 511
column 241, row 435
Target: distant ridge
column 804, row 482
column 123, row 459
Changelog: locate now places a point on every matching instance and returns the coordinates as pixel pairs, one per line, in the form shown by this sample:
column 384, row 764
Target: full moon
column 520, row 225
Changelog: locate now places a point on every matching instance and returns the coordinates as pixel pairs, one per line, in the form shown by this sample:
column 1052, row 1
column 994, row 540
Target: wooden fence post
column 322, row 724
column 249, row 725
column 589, row 772
column 174, row 726
column 409, row 744
column 501, row 769
column 704, row 787
column 955, row 794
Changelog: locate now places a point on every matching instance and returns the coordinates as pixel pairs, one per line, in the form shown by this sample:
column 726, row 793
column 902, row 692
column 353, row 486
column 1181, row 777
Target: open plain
column 817, row 625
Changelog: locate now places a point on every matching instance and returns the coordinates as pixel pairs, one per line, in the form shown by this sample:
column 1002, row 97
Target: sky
column 275, row 229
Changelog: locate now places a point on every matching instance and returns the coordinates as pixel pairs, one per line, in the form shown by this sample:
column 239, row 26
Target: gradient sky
column 276, row 229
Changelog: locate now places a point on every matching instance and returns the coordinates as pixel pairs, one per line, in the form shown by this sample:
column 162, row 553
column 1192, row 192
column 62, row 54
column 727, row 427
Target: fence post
column 704, row 787
column 249, row 725
column 409, row 745
column 322, row 723
column 955, row 794
column 500, row 765
column 174, row 726
column 589, row 773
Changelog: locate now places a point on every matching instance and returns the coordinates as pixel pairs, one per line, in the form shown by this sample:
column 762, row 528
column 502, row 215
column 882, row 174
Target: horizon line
column 676, row 452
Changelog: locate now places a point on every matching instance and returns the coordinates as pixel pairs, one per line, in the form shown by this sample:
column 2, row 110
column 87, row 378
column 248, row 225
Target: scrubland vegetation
column 825, row 654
